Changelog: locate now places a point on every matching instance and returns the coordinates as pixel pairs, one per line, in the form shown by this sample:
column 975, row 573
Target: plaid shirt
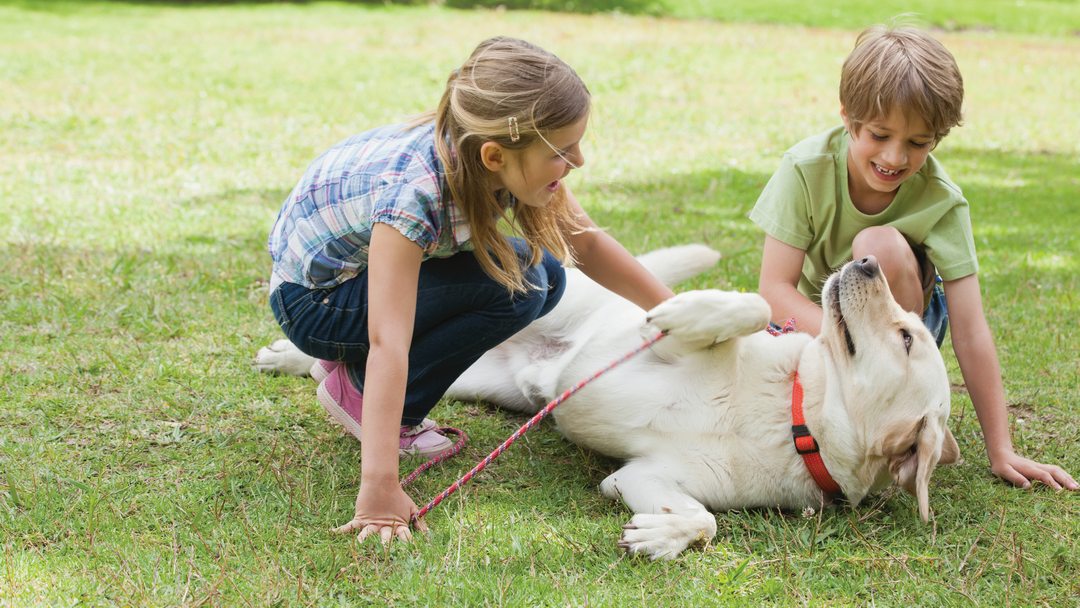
column 389, row 175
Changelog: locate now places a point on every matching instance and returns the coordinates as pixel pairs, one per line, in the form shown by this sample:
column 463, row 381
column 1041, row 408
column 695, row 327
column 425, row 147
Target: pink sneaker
column 322, row 368
column 340, row 398
column 423, row 439
column 344, row 403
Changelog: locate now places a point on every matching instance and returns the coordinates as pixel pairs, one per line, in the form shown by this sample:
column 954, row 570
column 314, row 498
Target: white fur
column 703, row 418
column 282, row 357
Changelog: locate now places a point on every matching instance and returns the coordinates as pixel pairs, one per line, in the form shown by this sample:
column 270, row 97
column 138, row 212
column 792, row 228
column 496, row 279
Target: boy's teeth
column 886, row 171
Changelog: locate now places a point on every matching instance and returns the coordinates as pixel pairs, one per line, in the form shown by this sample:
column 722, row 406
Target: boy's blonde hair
column 504, row 79
column 905, row 68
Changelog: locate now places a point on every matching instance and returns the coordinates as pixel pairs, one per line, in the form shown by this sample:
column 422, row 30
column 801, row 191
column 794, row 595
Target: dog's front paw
column 679, row 315
column 664, row 535
column 708, row 316
column 282, row 357
column 692, row 316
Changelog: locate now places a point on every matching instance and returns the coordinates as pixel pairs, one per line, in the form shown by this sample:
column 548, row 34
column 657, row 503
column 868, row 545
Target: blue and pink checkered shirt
column 389, row 175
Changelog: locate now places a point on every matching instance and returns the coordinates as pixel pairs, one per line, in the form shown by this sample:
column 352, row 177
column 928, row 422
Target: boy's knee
column 898, row 261
column 889, row 246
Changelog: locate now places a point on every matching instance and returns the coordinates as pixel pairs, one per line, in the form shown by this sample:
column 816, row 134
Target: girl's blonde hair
column 902, row 67
column 509, row 92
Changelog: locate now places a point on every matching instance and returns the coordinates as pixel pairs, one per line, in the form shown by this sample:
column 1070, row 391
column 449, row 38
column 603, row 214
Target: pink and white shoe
column 423, row 439
column 344, row 403
column 340, row 398
column 322, row 368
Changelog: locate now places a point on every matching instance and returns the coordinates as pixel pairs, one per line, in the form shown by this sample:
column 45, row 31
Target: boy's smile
column 882, row 154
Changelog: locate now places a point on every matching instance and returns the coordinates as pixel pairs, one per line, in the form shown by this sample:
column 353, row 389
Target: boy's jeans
column 936, row 315
column 461, row 313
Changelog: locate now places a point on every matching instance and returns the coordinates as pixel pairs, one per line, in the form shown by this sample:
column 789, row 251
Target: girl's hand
column 383, row 509
column 1020, row 472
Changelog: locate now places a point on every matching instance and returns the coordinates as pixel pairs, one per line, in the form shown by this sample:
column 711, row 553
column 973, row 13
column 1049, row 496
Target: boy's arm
column 975, row 352
column 781, row 267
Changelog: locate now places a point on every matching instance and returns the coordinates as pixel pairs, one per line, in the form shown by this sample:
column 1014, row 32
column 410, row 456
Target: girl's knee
column 548, row 281
column 556, row 282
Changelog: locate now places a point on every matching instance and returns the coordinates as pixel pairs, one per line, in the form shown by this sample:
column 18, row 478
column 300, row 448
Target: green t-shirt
column 807, row 205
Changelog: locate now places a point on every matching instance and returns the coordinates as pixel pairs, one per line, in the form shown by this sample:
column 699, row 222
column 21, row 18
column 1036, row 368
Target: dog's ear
column 899, row 445
column 912, row 452
column 950, row 451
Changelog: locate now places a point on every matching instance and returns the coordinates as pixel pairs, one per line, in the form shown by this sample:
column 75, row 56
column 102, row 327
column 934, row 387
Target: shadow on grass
column 1022, row 205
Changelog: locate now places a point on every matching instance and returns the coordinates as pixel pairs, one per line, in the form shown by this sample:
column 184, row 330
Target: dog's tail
column 677, row 264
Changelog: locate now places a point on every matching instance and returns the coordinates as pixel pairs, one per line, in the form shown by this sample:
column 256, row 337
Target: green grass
column 144, row 152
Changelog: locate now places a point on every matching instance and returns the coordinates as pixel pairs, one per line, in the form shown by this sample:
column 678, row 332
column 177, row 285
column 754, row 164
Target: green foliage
column 1042, row 17
column 1053, row 17
column 633, row 7
column 144, row 151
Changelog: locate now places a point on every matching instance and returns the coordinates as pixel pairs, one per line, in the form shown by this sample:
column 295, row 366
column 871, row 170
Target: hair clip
column 515, row 135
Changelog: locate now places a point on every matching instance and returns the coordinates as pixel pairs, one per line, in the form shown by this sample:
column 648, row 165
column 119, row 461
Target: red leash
column 809, row 452
column 521, row 431
column 460, row 443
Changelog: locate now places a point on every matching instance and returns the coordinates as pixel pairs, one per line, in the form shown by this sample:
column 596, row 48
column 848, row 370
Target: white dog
column 704, row 418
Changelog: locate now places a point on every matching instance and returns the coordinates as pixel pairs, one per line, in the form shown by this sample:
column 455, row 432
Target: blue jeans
column 461, row 313
column 936, row 315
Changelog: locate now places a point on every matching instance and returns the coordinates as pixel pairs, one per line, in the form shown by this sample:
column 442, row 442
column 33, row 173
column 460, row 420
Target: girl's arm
column 608, row 263
column 781, row 267
column 975, row 352
column 382, row 507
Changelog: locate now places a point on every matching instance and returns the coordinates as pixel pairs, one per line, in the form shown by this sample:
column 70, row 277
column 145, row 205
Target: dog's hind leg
column 666, row 519
column 677, row 264
column 497, row 378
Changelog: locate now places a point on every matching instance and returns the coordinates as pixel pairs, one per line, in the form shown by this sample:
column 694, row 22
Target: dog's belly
column 646, row 405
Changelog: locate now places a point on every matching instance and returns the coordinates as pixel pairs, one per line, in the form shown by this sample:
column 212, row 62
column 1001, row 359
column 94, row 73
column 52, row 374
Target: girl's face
column 534, row 175
column 885, row 153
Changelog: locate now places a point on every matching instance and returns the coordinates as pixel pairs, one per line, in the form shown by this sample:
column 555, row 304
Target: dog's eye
column 906, row 335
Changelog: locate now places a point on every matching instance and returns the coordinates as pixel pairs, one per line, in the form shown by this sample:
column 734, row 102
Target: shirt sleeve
column 410, row 210
column 782, row 210
column 950, row 244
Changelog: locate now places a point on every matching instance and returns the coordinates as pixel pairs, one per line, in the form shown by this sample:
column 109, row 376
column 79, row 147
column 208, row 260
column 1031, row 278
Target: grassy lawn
column 145, row 150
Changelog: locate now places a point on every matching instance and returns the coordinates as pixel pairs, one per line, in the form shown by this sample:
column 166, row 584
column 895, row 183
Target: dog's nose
column 868, row 266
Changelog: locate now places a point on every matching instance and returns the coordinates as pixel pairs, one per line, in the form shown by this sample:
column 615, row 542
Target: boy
column 871, row 187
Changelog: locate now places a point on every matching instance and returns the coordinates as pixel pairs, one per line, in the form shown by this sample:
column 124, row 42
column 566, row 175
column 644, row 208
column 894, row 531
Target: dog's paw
column 664, row 535
column 676, row 315
column 709, row 316
column 282, row 357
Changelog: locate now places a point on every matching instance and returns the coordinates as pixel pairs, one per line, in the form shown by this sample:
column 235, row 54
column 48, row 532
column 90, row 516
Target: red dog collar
column 807, row 446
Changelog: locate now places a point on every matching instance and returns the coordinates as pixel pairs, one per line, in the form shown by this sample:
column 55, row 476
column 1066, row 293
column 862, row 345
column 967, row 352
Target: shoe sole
column 428, row 454
column 318, row 372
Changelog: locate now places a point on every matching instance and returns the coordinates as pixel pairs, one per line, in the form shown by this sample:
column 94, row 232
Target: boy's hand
column 1020, row 472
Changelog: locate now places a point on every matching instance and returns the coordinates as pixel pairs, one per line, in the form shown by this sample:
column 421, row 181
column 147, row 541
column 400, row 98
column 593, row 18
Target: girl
column 389, row 265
